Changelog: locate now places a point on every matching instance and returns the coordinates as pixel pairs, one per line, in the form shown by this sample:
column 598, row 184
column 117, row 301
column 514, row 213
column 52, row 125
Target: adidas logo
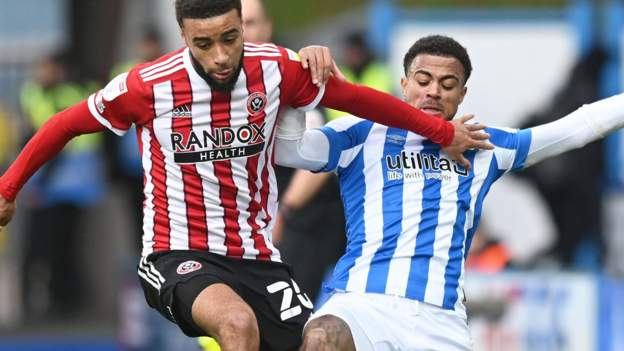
column 183, row 111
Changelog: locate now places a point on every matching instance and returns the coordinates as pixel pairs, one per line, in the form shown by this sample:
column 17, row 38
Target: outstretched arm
column 588, row 123
column 456, row 137
column 43, row 146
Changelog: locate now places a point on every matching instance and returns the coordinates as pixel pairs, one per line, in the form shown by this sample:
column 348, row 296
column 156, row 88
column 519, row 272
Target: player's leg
column 327, row 333
column 221, row 313
column 281, row 307
column 385, row 322
column 197, row 292
column 350, row 321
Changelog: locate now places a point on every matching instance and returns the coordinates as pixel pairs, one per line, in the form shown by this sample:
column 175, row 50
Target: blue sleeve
column 341, row 140
column 511, row 146
column 522, row 150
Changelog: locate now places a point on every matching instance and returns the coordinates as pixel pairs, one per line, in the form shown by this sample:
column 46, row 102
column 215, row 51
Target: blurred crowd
column 55, row 220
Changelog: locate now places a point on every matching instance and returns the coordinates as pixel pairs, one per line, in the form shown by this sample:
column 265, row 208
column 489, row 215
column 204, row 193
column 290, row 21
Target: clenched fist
column 7, row 208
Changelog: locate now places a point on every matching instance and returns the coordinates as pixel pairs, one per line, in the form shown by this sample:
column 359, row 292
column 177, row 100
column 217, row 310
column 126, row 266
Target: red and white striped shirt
column 207, row 155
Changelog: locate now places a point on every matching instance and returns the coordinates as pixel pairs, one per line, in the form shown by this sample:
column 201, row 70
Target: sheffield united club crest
column 188, row 267
column 256, row 102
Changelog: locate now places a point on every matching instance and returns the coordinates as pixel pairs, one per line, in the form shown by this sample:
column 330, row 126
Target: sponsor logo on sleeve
column 99, row 104
column 188, row 267
column 115, row 87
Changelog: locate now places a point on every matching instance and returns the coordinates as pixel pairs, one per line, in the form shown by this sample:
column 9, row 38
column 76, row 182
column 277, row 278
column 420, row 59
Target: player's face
column 435, row 84
column 217, row 44
column 256, row 26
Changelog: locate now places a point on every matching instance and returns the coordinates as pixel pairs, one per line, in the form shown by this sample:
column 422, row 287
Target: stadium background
column 523, row 52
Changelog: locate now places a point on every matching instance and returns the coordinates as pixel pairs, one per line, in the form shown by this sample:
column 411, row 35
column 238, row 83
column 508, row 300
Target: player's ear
column 404, row 86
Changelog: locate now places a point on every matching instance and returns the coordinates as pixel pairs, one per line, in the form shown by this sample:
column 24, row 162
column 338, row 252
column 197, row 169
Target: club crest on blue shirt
column 256, row 102
column 395, row 139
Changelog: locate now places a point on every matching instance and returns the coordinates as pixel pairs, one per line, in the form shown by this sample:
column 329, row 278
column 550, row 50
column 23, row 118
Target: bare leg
column 327, row 333
column 222, row 313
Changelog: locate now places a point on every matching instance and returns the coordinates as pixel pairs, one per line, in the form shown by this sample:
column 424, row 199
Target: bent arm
column 47, row 143
column 385, row 109
column 311, row 152
column 297, row 147
column 588, row 123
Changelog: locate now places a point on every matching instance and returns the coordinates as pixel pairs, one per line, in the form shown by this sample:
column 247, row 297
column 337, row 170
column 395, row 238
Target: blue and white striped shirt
column 411, row 211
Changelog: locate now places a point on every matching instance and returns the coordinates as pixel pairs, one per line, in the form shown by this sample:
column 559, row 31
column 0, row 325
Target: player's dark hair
column 204, row 8
column 438, row 45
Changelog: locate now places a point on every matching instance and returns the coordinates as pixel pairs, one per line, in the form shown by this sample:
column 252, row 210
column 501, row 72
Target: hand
column 319, row 60
column 7, row 208
column 467, row 136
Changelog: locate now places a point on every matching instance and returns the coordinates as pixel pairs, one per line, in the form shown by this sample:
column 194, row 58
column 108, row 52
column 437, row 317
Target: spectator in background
column 7, row 147
column 7, row 137
column 257, row 25
column 148, row 49
column 571, row 183
column 487, row 255
column 362, row 67
column 58, row 196
column 123, row 159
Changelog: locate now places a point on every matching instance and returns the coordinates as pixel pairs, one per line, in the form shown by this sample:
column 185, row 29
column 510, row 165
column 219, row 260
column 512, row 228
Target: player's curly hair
column 438, row 45
column 204, row 8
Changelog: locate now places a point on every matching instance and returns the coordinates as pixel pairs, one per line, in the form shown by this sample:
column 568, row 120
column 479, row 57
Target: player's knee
column 239, row 323
column 314, row 336
column 328, row 333
column 327, row 323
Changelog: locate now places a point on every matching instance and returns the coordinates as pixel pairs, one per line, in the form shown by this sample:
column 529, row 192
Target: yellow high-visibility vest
column 376, row 75
column 40, row 104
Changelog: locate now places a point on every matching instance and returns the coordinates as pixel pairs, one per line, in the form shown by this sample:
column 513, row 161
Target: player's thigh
column 280, row 306
column 343, row 311
column 383, row 322
column 218, row 306
column 172, row 281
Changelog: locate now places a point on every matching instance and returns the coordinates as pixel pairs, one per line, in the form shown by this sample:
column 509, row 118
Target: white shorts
column 384, row 322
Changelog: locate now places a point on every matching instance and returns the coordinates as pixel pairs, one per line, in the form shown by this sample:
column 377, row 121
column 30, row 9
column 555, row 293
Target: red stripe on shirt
column 220, row 113
column 139, row 133
column 255, row 83
column 162, row 226
column 193, row 187
column 266, row 185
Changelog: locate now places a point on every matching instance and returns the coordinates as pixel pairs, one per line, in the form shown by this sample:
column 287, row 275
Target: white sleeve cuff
column 315, row 102
column 91, row 102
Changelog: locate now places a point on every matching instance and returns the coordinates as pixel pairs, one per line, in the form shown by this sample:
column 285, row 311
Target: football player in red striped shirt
column 206, row 118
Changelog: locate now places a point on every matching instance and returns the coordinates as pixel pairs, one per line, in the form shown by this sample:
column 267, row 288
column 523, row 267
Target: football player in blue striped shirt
column 411, row 211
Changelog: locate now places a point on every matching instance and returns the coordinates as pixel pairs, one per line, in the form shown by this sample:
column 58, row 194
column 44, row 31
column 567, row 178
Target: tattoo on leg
column 329, row 333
